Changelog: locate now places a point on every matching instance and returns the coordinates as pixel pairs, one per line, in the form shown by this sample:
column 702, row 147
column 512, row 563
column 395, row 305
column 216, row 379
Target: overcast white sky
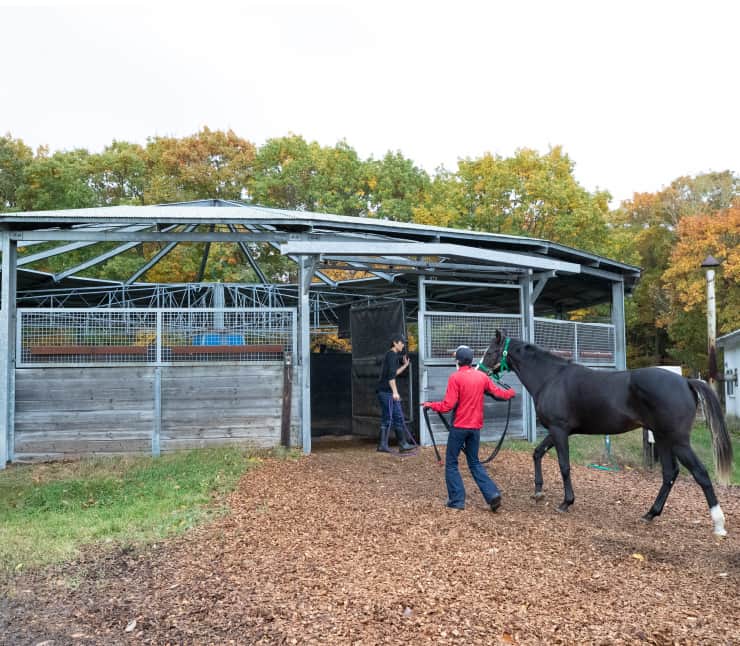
column 637, row 92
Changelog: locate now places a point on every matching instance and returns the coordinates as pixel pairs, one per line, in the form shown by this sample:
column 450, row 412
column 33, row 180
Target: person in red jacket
column 465, row 389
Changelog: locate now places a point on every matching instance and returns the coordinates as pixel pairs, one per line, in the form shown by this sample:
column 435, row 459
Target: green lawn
column 626, row 450
column 48, row 511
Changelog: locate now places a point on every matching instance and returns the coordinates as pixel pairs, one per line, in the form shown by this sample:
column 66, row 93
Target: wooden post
column 648, row 449
column 287, row 401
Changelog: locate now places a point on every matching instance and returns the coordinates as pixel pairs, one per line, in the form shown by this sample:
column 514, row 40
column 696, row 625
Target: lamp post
column 710, row 264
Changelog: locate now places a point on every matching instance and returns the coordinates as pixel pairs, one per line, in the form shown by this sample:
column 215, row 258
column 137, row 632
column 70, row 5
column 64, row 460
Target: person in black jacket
column 391, row 413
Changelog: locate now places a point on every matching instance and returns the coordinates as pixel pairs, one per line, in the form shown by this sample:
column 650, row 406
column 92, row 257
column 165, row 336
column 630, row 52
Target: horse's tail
column 721, row 442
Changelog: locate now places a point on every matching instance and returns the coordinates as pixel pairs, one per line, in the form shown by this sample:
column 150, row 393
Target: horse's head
column 495, row 352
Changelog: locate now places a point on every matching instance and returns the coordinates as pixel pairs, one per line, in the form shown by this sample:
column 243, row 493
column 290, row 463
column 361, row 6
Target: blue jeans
column 391, row 413
column 468, row 440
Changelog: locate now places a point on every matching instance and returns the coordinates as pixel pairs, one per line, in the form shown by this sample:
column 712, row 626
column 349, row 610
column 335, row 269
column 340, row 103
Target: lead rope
column 482, row 367
column 504, row 366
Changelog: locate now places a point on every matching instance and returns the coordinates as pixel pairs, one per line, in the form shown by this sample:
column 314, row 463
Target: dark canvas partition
column 331, row 394
column 372, row 327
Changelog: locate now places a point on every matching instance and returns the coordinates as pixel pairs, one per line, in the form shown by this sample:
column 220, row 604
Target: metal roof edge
column 197, row 210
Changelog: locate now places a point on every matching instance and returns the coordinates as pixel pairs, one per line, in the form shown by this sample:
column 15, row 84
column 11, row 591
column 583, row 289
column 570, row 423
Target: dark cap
column 464, row 355
column 398, row 337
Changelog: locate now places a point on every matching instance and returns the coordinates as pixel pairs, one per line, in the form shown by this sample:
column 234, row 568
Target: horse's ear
column 498, row 336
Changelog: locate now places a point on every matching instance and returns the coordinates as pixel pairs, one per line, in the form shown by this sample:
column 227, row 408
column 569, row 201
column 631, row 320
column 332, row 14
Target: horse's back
column 610, row 402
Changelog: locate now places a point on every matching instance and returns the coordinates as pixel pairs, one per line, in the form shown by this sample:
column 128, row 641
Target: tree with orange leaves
column 716, row 234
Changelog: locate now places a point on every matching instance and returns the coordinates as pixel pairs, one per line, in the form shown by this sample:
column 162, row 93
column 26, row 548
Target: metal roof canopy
column 395, row 253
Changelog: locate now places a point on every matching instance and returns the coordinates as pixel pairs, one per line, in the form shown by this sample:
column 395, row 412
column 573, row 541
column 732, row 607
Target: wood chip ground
column 348, row 546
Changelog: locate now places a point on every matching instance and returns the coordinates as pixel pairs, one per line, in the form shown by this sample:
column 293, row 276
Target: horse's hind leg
column 542, row 448
column 688, row 458
column 670, row 473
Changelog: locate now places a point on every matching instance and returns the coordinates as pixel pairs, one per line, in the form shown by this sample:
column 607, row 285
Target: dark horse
column 570, row 398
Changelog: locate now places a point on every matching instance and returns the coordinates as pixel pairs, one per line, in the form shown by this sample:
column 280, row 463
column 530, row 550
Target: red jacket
column 466, row 388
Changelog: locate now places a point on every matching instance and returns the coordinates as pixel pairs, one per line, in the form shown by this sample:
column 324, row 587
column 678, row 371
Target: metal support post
column 306, row 265
column 526, row 304
column 157, row 426
column 620, row 339
column 620, row 344
column 424, row 438
column 7, row 348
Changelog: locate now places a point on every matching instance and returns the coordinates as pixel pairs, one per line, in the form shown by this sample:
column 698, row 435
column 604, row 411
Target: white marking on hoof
column 718, row 518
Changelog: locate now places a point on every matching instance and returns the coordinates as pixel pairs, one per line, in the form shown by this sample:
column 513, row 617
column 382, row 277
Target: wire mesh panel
column 233, row 335
column 586, row 343
column 559, row 337
column 85, row 336
column 596, row 344
column 446, row 331
column 124, row 336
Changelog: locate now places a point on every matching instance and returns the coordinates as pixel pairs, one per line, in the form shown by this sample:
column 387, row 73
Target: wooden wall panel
column 65, row 412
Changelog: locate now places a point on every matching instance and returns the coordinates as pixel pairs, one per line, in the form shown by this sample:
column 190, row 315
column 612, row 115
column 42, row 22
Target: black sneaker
column 495, row 503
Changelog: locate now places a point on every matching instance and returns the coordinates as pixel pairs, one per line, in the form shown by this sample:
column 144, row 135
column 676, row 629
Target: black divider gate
column 372, row 327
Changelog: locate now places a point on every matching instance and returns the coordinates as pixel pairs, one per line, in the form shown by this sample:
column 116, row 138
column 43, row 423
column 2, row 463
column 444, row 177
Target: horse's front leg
column 560, row 439
column 542, row 448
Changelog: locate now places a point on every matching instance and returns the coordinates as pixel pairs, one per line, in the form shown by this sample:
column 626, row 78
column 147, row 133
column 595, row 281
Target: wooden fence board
column 73, row 411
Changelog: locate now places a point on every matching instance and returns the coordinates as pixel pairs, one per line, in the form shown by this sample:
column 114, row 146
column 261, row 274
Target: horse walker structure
column 99, row 347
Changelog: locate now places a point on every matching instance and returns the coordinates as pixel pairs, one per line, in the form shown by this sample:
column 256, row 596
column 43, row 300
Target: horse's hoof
column 647, row 518
column 562, row 508
column 720, row 534
column 537, row 496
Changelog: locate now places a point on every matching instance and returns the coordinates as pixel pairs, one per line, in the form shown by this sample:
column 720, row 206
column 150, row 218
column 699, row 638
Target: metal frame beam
column 151, row 236
column 427, row 249
column 248, row 256
column 155, row 259
column 27, row 259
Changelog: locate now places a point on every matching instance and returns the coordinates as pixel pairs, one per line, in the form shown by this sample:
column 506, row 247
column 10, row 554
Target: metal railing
column 592, row 344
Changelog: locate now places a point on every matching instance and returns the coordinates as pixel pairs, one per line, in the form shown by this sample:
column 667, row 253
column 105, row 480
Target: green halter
column 503, row 365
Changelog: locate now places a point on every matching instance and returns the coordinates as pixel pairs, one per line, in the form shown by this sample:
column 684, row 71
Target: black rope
column 431, row 434
column 501, row 439
column 447, row 426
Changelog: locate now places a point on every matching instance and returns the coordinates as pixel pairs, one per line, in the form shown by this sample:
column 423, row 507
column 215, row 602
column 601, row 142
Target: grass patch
column 48, row 511
column 626, row 450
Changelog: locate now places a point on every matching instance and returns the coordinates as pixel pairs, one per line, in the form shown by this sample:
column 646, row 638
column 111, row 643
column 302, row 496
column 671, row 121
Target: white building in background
column 730, row 343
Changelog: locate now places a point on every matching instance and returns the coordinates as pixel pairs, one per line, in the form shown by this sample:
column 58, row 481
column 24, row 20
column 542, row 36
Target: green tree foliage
column 58, row 181
column 291, row 173
column 528, row 194
column 209, row 164
column 119, row 174
column 15, row 156
column 394, row 187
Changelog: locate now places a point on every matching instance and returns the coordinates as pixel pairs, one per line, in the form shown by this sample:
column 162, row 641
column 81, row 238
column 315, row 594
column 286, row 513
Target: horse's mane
column 535, row 349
